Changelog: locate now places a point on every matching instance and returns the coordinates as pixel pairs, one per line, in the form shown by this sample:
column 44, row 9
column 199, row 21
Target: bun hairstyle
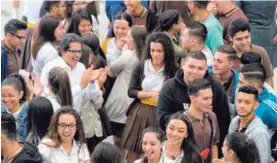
column 168, row 18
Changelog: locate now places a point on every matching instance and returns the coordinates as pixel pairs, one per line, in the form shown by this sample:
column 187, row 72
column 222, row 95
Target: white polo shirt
column 59, row 155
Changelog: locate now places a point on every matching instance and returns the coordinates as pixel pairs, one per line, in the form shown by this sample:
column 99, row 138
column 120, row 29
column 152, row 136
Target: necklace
column 12, row 153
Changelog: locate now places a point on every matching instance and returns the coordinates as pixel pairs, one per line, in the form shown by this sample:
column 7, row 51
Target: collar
column 74, row 149
column 151, row 68
column 244, row 128
column 193, row 118
column 141, row 14
column 164, row 152
column 63, row 64
column 263, row 95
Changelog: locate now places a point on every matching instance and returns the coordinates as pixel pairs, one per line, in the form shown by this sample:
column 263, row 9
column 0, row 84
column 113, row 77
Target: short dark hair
column 48, row 5
column 8, row 126
column 238, row 25
column 198, row 30
column 244, row 147
column 201, row 4
column 168, row 18
column 249, row 90
column 229, row 50
column 250, row 57
column 198, row 84
column 197, row 55
column 254, row 72
column 14, row 25
column 67, row 39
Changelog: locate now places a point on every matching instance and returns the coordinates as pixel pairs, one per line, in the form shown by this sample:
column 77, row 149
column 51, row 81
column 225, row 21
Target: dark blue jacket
column 4, row 62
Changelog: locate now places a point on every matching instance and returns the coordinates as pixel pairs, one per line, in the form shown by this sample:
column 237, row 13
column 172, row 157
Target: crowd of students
column 173, row 81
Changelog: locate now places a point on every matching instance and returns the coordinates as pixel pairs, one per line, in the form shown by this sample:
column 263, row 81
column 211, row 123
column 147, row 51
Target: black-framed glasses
column 75, row 51
column 19, row 37
column 63, row 126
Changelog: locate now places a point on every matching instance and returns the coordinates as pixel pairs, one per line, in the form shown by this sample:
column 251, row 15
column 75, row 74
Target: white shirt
column 75, row 78
column 177, row 159
column 15, row 114
column 209, row 55
column 59, row 155
column 153, row 80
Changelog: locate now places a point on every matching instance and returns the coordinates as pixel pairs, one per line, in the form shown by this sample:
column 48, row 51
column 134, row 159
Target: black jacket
column 29, row 154
column 174, row 98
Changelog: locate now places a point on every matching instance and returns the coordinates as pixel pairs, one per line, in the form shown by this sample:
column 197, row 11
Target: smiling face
column 176, row 132
column 151, row 145
column 194, row 69
column 73, row 54
column 222, row 64
column 59, row 32
column 132, row 5
column 121, row 28
column 84, row 26
column 67, row 127
column 11, row 97
column 242, row 41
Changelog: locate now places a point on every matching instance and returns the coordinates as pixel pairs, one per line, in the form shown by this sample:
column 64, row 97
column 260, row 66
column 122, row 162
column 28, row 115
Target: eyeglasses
column 70, row 126
column 19, row 37
column 75, row 51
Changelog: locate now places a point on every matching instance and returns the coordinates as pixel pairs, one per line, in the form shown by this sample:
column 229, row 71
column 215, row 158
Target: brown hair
column 229, row 50
column 139, row 35
column 53, row 128
column 60, row 85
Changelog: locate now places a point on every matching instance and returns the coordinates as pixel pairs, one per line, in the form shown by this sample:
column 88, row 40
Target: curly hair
column 169, row 59
column 53, row 128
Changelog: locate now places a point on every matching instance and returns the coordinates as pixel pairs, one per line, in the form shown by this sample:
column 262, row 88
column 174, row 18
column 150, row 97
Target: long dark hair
column 105, row 152
column 244, row 147
column 160, row 136
column 46, row 33
column 40, row 111
column 19, row 83
column 169, row 59
column 60, row 85
column 188, row 144
column 80, row 14
column 53, row 128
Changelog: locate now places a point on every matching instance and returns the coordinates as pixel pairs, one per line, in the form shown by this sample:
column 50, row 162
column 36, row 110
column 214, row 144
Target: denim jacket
column 21, row 122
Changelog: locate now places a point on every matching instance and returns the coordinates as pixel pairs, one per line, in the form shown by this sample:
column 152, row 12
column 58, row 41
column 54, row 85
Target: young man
column 248, row 123
column 203, row 120
column 173, row 96
column 14, row 39
column 225, row 57
column 55, row 8
column 200, row 13
column 12, row 150
column 193, row 39
column 253, row 74
column 226, row 12
column 240, row 35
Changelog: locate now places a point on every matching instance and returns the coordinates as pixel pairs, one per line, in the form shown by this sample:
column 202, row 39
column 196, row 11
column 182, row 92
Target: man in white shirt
column 81, row 80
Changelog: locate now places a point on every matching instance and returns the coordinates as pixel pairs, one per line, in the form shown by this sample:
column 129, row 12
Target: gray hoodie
column 256, row 131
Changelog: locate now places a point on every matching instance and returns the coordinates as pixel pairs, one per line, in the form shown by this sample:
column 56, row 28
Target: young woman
column 40, row 111
column 152, row 143
column 14, row 94
column 65, row 140
column 105, row 152
column 238, row 148
column 171, row 22
column 146, row 82
column 118, row 103
column 180, row 144
column 59, row 88
column 113, row 45
column 50, row 32
column 81, row 22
